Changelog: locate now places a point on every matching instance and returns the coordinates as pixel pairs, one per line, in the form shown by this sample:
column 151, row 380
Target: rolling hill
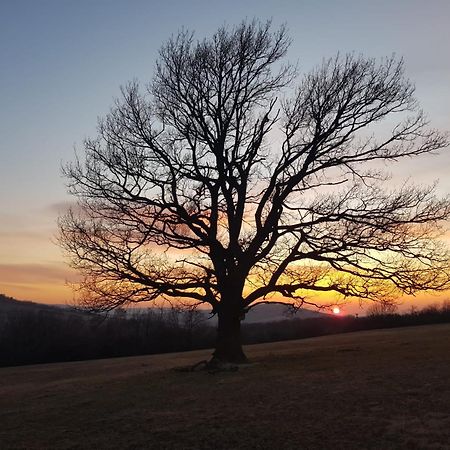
column 259, row 314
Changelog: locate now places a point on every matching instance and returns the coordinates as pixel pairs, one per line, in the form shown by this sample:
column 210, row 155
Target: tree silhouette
column 232, row 181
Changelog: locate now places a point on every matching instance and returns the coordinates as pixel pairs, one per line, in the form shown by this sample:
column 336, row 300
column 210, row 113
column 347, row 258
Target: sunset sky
column 63, row 61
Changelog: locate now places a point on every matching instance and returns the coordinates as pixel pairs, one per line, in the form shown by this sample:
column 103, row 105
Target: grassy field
column 387, row 389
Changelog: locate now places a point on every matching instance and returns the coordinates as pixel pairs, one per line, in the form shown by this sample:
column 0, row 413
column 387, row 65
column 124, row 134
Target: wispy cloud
column 12, row 221
column 21, row 236
column 37, row 282
column 35, row 273
column 59, row 207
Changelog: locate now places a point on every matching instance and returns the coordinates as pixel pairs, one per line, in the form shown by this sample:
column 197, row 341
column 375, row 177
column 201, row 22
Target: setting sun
column 336, row 310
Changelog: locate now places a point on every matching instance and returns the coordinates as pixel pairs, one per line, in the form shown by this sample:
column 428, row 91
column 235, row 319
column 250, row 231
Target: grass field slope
column 385, row 389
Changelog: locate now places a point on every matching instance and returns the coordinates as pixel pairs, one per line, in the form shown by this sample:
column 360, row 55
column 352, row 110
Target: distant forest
column 32, row 333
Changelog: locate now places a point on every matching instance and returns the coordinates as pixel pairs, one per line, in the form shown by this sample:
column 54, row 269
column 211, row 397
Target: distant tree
column 232, row 181
column 381, row 308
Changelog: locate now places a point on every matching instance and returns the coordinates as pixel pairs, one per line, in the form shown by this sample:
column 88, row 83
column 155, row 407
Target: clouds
column 35, row 273
column 61, row 207
column 31, row 266
column 59, row 80
column 28, row 236
column 41, row 282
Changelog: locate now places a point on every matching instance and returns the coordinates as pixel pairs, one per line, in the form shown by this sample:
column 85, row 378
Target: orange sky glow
column 36, row 271
column 63, row 72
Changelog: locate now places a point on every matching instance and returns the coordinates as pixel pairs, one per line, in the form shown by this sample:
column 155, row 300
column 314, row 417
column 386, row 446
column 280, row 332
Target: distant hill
column 32, row 333
column 260, row 314
column 272, row 313
column 9, row 305
column 277, row 312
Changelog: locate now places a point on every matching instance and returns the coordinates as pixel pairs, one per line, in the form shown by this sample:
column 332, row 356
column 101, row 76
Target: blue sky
column 63, row 61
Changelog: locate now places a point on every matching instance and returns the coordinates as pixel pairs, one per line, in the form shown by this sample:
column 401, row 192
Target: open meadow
column 384, row 389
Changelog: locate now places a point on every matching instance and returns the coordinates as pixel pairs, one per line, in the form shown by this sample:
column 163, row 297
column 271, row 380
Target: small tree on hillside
column 211, row 185
column 381, row 308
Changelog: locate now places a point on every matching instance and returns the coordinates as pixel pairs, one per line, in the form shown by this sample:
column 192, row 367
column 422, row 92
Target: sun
column 336, row 310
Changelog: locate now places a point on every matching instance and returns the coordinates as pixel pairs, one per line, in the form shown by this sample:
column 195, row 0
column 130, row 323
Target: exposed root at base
column 212, row 366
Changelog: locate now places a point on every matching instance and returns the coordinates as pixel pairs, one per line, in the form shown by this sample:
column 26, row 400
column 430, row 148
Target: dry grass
column 384, row 389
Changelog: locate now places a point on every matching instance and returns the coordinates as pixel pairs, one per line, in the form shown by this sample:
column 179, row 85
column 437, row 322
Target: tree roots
column 212, row 366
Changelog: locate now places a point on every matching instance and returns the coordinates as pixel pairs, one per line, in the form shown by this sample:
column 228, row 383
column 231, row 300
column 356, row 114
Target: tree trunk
column 228, row 345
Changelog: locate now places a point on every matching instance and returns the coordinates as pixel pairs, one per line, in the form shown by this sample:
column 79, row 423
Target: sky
column 62, row 63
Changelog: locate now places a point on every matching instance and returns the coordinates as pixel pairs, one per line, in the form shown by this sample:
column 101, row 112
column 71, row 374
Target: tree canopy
column 232, row 180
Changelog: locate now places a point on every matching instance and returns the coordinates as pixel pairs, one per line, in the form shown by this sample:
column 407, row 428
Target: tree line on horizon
column 35, row 335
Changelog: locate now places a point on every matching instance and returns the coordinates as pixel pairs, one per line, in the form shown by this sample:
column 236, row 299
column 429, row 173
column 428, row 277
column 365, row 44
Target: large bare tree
column 231, row 180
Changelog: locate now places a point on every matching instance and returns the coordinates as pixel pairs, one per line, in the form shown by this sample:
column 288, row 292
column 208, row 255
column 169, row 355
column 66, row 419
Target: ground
column 383, row 389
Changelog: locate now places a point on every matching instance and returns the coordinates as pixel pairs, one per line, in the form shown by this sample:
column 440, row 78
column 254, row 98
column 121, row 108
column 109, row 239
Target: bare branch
column 189, row 192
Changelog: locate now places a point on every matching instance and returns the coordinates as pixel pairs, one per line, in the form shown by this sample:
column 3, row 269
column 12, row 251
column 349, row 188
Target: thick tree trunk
column 228, row 345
